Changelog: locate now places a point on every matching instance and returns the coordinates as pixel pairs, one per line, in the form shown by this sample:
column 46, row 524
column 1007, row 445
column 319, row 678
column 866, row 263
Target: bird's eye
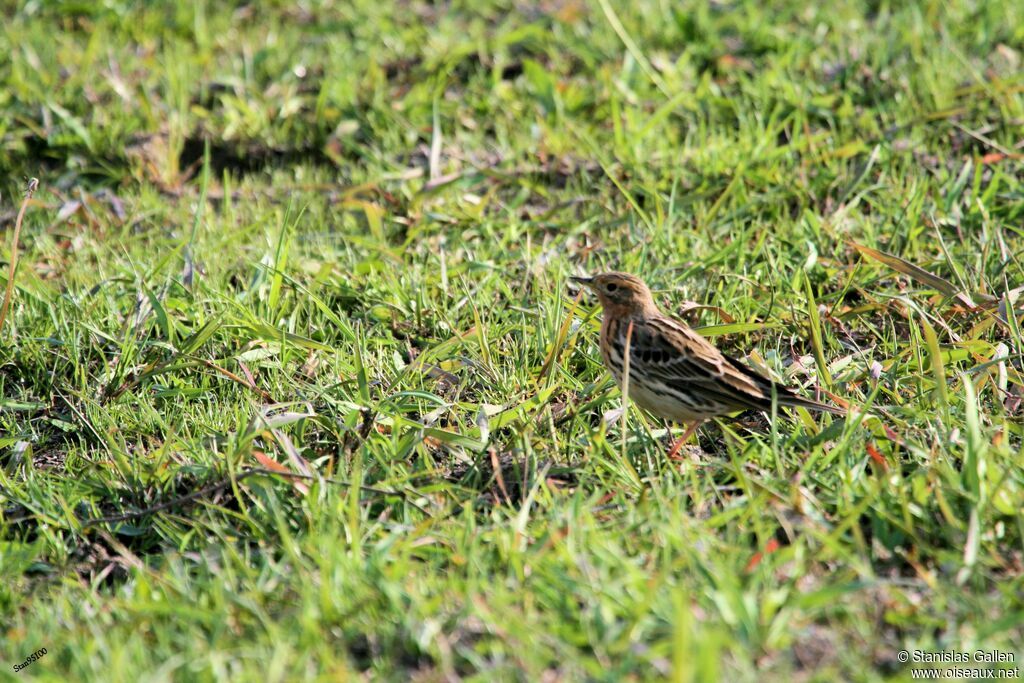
column 611, row 287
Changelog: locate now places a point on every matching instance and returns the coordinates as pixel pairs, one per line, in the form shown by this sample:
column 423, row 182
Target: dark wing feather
column 677, row 357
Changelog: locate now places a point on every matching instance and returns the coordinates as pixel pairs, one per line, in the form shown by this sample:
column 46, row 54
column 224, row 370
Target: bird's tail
column 787, row 398
column 783, row 394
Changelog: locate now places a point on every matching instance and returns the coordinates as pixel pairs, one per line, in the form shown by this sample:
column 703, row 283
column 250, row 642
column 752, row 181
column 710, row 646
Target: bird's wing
column 668, row 353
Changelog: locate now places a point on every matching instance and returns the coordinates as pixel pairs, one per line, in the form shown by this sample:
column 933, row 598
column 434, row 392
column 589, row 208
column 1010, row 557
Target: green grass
column 338, row 237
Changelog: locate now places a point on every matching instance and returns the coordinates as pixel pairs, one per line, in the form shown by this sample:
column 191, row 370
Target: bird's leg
column 681, row 440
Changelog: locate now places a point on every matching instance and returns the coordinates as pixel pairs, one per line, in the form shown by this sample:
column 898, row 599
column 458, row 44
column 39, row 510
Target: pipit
column 672, row 371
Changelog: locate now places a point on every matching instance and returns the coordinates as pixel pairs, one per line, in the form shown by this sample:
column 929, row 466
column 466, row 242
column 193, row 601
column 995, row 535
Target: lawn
column 294, row 385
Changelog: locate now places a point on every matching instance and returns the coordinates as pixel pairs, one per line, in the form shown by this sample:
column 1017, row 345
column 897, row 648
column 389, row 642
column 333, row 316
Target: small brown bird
column 673, row 372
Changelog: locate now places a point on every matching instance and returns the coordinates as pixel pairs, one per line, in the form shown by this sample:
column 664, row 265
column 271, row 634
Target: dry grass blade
column 923, row 276
column 499, row 478
column 692, row 306
column 249, row 381
column 625, row 386
column 33, row 185
column 298, row 462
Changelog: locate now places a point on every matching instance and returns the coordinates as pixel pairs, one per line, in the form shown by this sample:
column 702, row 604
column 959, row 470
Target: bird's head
column 620, row 292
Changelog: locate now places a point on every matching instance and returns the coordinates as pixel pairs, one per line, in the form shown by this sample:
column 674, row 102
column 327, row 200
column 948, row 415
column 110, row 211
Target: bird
column 672, row 371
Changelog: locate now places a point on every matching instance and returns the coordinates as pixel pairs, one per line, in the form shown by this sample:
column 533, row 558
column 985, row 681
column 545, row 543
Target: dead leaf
column 68, row 210
column 769, row 548
column 876, row 456
column 269, row 463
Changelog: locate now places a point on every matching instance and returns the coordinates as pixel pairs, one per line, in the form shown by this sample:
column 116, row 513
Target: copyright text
column 947, row 661
column 38, row 654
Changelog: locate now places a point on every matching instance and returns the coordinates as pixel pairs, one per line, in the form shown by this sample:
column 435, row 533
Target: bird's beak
column 585, row 281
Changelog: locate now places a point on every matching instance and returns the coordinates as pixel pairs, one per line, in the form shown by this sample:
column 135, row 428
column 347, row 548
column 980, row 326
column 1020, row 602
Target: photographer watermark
column 38, row 654
column 977, row 665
